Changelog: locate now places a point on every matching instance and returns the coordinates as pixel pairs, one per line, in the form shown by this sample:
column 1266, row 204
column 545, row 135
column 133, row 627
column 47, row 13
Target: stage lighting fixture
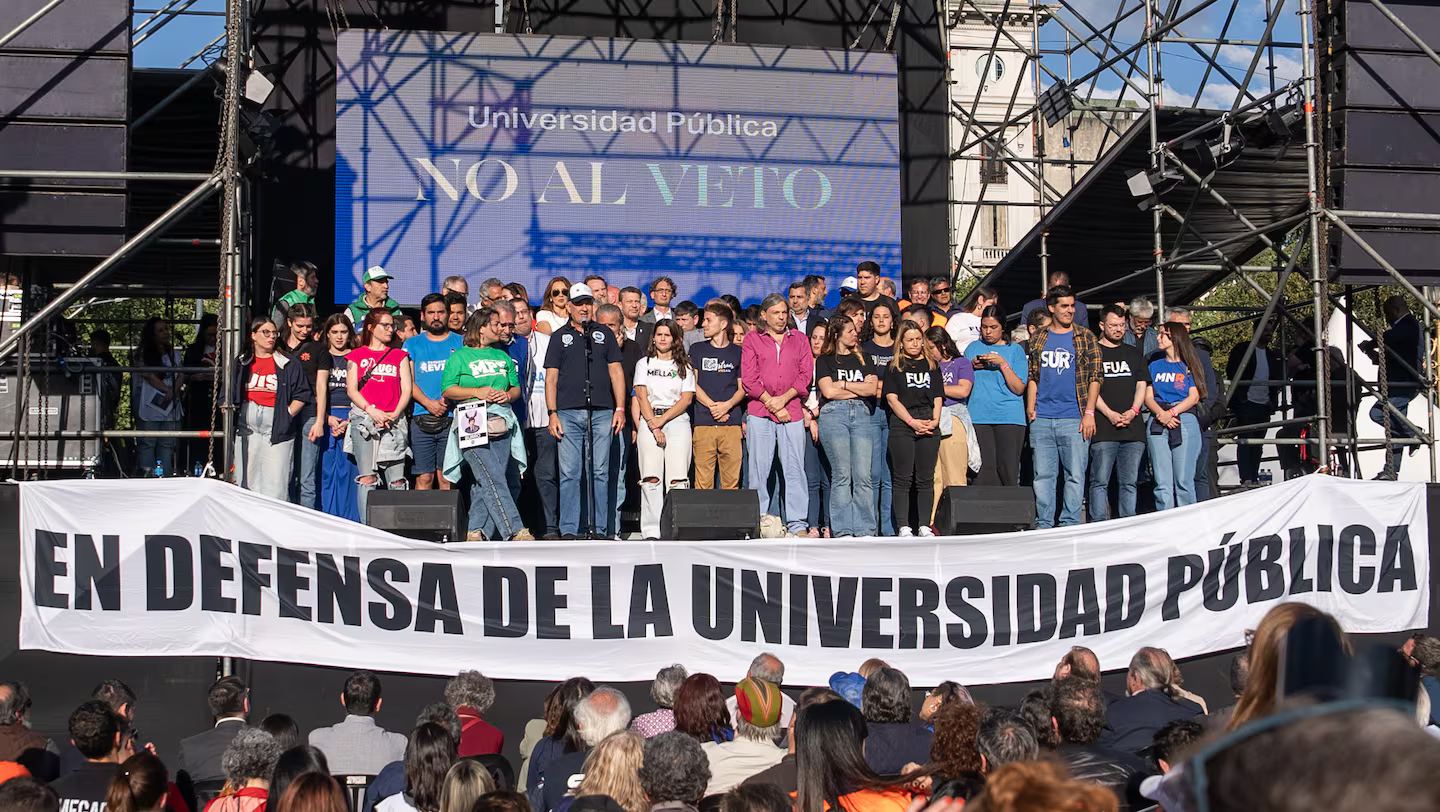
column 1206, row 156
column 1055, row 104
column 1151, row 185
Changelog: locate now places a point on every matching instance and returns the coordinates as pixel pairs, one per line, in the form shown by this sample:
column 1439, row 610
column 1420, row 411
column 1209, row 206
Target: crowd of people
column 847, row 422
column 862, row 743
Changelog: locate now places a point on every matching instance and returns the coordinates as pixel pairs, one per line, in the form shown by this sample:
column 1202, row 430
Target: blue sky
column 1183, row 69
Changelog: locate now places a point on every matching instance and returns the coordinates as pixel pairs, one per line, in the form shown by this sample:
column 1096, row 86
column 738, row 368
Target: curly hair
column 612, row 769
column 1034, row 710
column 251, row 754
column 93, row 728
column 954, row 749
column 1078, row 707
column 886, row 697
column 470, row 689
column 674, row 769
column 700, row 707
column 1040, row 786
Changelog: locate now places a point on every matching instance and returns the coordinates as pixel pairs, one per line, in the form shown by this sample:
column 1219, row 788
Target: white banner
column 199, row 567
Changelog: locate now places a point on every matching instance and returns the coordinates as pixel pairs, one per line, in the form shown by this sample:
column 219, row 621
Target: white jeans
column 261, row 466
column 668, row 466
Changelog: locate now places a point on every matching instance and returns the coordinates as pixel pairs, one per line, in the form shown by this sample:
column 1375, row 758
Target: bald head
column 1079, row 662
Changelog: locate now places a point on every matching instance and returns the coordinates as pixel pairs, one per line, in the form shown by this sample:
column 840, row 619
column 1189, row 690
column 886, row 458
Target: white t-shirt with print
column 662, row 382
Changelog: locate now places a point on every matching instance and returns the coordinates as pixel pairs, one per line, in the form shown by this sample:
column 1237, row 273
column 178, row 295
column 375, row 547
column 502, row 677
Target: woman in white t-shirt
column 157, row 397
column 555, row 308
column 664, row 387
column 964, row 327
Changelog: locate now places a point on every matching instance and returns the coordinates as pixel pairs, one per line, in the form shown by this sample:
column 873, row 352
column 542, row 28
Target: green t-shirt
column 475, row 366
column 295, row 297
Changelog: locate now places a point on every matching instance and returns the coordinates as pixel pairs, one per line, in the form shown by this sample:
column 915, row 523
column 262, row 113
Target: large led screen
column 729, row 168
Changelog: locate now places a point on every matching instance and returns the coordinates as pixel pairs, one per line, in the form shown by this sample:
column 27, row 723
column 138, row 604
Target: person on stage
column 1176, row 388
column 952, row 465
column 1065, row 377
column 664, row 389
column 775, row 369
column 337, row 493
column 378, row 379
column 848, row 384
column 481, row 371
column 877, row 341
column 914, row 389
column 431, row 416
column 376, row 295
column 718, row 432
column 997, row 403
column 584, row 400
column 270, row 391
column 555, row 309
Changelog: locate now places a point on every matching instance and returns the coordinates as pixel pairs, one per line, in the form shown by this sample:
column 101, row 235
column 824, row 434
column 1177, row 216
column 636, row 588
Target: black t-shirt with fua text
column 916, row 384
column 848, row 368
column 1122, row 366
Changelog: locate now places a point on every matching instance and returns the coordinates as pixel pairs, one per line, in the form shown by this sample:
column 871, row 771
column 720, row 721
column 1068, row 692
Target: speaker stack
column 424, row 515
column 1380, row 107
column 696, row 515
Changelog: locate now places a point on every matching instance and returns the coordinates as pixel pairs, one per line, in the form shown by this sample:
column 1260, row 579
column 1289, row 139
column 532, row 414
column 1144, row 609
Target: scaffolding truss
column 1096, row 63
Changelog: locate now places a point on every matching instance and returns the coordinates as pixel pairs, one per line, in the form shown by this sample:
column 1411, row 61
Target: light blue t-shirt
column 1171, row 380
column 430, row 357
column 1055, row 391
column 991, row 401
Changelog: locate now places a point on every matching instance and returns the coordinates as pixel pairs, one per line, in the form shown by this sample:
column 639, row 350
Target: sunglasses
column 940, row 290
column 555, row 293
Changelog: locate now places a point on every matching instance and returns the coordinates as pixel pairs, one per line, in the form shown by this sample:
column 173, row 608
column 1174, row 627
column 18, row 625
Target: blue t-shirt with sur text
column 1055, row 390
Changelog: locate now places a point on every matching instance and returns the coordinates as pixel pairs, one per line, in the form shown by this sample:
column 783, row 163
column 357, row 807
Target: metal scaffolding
column 1132, row 52
column 54, row 380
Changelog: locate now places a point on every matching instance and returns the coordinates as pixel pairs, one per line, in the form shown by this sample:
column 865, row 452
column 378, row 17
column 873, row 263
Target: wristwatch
column 553, row 411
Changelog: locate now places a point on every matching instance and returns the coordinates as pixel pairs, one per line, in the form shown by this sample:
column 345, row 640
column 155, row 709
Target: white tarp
column 199, row 567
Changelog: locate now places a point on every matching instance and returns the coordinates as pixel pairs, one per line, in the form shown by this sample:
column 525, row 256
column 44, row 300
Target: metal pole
column 140, row 240
column 1390, row 269
column 1152, row 96
column 29, row 21
column 1405, row 29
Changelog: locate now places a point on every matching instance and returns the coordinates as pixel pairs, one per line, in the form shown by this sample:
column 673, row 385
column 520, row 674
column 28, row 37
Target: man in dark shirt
column 1152, row 702
column 1057, row 278
column 624, row 465
column 1077, row 709
column 99, row 734
column 867, row 284
column 1402, row 363
column 1119, row 443
column 719, row 423
column 584, row 386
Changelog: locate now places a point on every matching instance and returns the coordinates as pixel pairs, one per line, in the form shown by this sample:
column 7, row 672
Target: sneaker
column 1386, row 476
column 927, row 532
column 905, row 533
column 475, row 535
column 1250, row 483
column 523, row 535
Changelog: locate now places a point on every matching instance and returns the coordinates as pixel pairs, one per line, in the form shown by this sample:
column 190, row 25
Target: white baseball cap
column 850, row 283
column 376, row 273
column 581, row 292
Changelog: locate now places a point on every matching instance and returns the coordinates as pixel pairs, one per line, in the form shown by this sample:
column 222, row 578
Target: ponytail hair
column 138, row 786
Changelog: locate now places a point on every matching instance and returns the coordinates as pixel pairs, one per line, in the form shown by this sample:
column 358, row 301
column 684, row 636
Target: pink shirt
column 383, row 388
column 767, row 368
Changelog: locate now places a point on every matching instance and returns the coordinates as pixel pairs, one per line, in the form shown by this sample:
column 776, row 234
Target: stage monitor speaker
column 59, row 397
column 423, row 515
column 696, row 515
column 975, row 509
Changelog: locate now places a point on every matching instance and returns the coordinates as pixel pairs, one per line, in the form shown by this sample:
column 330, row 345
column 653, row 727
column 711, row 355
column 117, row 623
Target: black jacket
column 1131, row 721
column 1233, row 371
column 892, row 745
column 1108, row 768
column 290, row 384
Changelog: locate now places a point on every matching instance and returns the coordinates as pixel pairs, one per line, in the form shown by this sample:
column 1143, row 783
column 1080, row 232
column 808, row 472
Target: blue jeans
column 848, row 436
column 1124, row 460
column 150, row 449
column 492, row 509
column 764, row 436
column 1401, row 402
column 880, row 471
column 309, row 465
column 1175, row 467
column 1057, row 444
column 619, row 490
column 817, row 476
column 544, row 473
column 595, row 482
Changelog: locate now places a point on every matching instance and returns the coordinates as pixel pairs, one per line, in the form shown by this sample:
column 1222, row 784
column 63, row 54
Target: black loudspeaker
column 1380, row 112
column 424, row 515
column 975, row 509
column 696, row 515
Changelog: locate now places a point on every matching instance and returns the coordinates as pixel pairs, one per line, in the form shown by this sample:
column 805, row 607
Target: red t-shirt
column 383, row 387
column 261, row 387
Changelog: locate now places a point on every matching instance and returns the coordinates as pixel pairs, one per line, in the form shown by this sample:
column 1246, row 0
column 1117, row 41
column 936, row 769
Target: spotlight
column 1055, row 104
